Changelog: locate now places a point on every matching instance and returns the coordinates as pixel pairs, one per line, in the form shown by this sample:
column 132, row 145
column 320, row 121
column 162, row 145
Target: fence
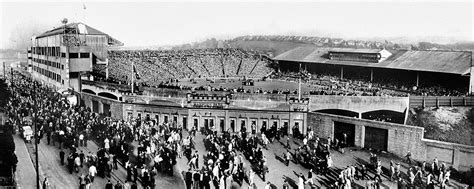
column 436, row 101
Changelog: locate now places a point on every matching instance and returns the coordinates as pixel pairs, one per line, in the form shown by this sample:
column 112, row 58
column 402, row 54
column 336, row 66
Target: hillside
column 274, row 45
column 450, row 124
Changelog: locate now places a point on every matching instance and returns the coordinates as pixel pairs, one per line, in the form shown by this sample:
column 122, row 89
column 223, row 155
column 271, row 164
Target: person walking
column 109, row 185
column 61, row 156
column 92, row 172
column 408, row 156
column 46, row 184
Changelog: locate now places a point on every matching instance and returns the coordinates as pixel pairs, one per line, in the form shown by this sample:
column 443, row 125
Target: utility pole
column 133, row 75
column 4, row 71
column 36, row 135
column 299, row 84
column 11, row 73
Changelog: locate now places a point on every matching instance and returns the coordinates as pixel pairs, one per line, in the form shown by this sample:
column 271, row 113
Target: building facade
column 58, row 57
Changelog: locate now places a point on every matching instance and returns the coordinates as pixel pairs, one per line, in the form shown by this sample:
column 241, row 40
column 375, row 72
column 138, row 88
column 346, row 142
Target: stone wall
column 358, row 104
column 401, row 138
column 116, row 107
column 459, row 156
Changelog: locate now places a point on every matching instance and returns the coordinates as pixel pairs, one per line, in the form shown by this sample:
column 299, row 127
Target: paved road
column 61, row 178
column 164, row 180
column 278, row 170
column 58, row 175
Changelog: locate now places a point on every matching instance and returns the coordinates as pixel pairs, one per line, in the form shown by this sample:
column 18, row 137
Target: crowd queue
column 158, row 146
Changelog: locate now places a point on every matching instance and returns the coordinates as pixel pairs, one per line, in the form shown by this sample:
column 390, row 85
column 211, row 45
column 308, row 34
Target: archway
column 340, row 112
column 89, row 91
column 385, row 115
column 108, row 95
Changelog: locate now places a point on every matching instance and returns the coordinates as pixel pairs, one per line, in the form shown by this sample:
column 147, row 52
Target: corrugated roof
column 74, row 27
column 455, row 62
column 79, row 28
column 351, row 50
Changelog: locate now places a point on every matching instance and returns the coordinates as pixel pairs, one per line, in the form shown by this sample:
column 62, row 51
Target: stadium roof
column 79, row 28
column 454, row 62
column 347, row 50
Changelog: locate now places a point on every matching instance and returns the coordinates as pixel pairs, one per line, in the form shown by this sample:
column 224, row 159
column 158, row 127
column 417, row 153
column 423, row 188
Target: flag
column 84, row 6
column 137, row 75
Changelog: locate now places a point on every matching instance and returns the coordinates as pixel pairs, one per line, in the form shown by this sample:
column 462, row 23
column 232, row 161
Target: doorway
column 376, row 138
column 344, row 132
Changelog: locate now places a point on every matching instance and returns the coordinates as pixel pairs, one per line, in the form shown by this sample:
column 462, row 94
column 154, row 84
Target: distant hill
column 274, row 45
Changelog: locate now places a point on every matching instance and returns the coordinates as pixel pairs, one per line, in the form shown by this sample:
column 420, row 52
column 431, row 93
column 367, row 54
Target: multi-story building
column 58, row 57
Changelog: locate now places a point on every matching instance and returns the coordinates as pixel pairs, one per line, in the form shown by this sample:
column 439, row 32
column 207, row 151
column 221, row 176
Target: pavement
column 279, row 171
column 59, row 177
column 25, row 171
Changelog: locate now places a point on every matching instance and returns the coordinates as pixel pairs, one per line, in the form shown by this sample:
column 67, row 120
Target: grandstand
column 156, row 67
column 436, row 73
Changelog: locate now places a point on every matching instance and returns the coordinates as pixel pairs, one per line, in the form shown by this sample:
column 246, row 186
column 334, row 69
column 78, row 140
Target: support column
column 471, row 81
column 362, row 136
column 456, row 158
column 406, row 116
column 101, row 107
column 359, row 135
column 417, row 78
column 360, row 115
column 371, row 74
column 342, row 72
column 226, row 120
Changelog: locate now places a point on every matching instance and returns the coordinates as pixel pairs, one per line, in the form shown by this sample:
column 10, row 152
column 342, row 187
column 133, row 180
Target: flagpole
column 133, row 76
column 299, row 88
column 299, row 84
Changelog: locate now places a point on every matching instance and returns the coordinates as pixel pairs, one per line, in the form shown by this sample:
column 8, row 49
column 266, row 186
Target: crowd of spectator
column 334, row 85
column 156, row 66
column 70, row 127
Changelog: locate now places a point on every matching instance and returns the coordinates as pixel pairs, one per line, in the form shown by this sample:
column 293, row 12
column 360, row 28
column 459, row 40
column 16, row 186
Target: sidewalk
column 25, row 171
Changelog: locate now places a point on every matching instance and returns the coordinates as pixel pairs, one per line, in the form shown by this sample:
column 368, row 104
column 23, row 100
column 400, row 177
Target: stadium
column 361, row 96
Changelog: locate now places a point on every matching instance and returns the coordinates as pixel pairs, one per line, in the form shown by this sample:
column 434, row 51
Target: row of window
column 79, row 55
column 56, row 51
column 49, row 63
column 355, row 59
column 48, row 74
column 48, row 51
column 209, row 122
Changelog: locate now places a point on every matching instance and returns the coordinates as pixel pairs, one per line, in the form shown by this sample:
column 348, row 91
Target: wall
column 401, row 138
column 459, row 156
column 238, row 115
column 358, row 104
column 436, row 101
column 116, row 107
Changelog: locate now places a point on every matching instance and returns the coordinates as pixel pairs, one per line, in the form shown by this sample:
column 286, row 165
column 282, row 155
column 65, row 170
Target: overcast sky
column 170, row 23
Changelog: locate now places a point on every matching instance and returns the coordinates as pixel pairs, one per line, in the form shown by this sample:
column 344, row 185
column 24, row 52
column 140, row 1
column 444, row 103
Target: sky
column 146, row 23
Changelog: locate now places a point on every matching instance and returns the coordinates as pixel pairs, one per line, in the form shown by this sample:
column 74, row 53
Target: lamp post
column 36, row 135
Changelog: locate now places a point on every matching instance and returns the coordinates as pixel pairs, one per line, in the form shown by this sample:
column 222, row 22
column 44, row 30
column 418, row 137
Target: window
column 73, row 75
column 73, row 55
column 157, row 118
column 84, row 55
column 63, row 55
